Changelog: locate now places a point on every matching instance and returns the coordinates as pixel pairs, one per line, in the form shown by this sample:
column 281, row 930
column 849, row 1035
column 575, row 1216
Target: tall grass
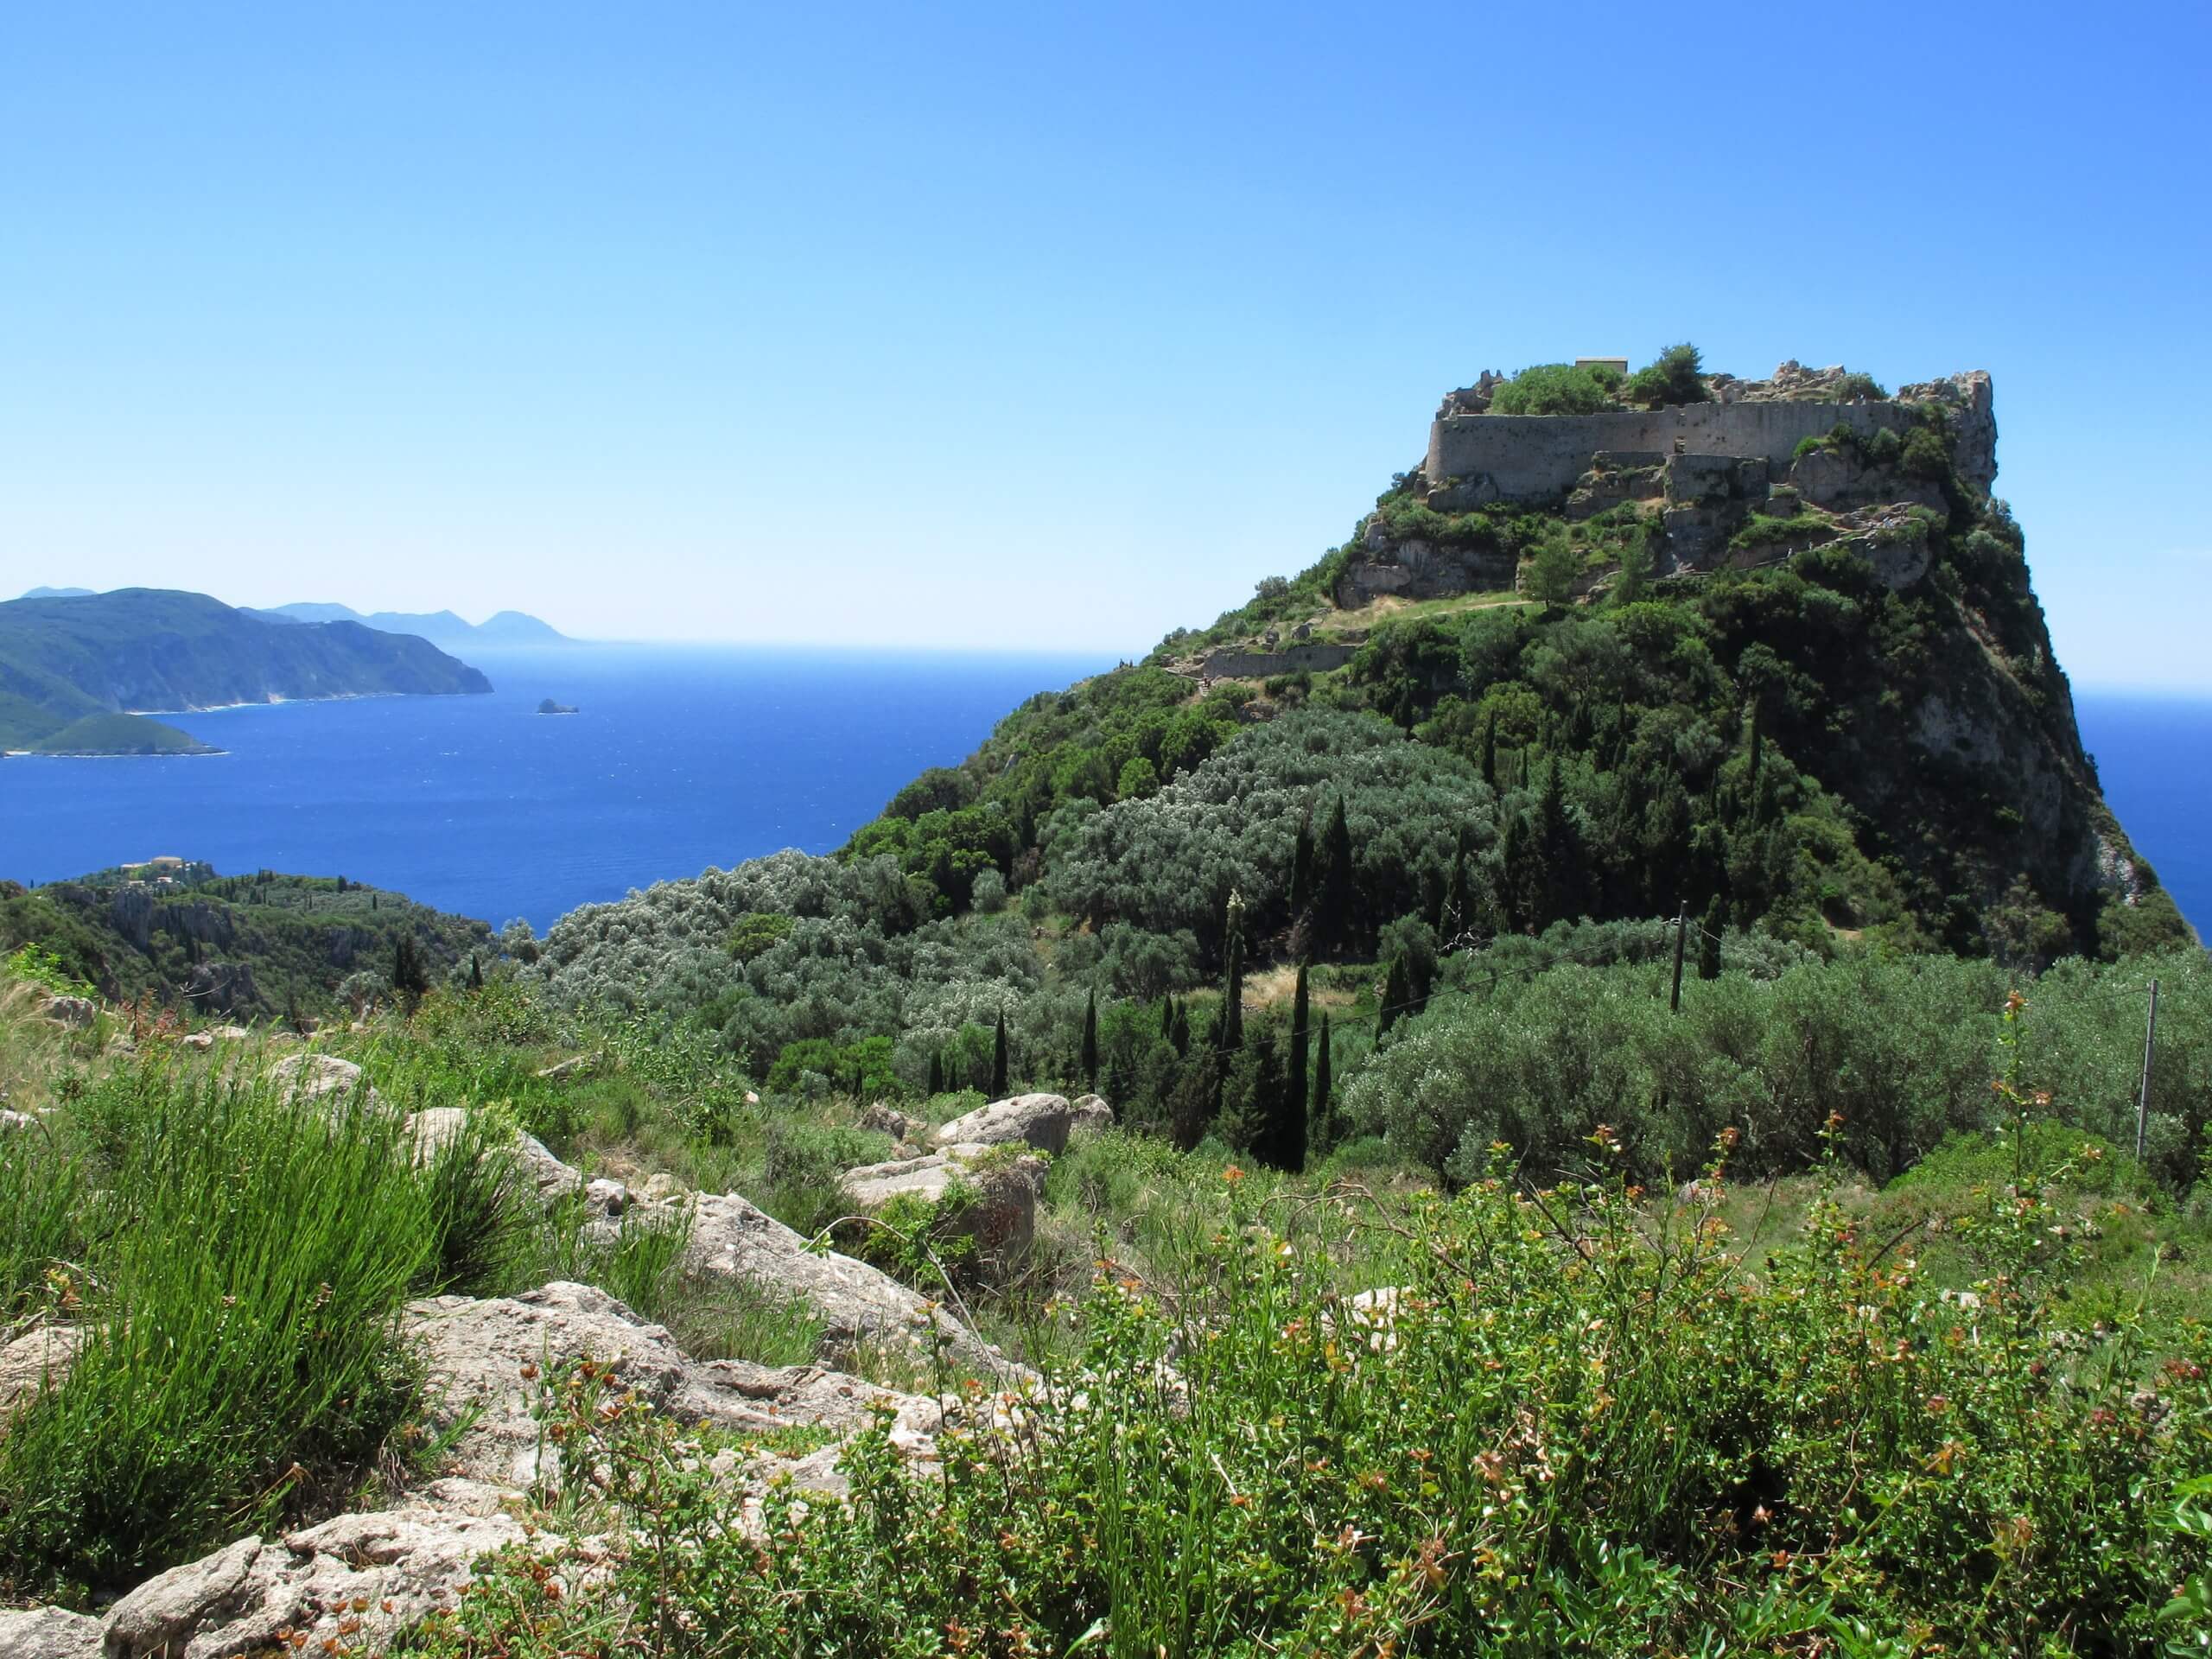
column 241, row 1261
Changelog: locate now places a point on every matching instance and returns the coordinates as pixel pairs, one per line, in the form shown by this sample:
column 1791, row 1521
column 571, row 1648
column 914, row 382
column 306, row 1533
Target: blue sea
column 682, row 757
column 679, row 758
column 2154, row 755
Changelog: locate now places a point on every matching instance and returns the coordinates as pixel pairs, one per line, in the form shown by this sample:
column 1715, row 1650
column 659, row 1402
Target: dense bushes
column 1169, row 863
column 1900, row 1049
column 1560, row 1429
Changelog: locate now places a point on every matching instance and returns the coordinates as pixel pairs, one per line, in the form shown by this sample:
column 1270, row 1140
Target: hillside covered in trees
column 1811, row 745
column 77, row 671
column 259, row 945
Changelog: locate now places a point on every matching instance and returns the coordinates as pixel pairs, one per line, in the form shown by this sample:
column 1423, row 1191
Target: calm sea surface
column 683, row 758
column 2155, row 757
column 679, row 759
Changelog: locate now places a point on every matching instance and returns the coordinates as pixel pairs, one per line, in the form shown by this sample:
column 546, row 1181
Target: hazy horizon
column 1012, row 329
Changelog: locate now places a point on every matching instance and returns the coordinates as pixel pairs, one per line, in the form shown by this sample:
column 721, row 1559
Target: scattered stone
column 581, row 1065
column 202, row 1040
column 1088, row 1115
column 310, row 1078
column 349, row 1584
column 1003, row 1217
column 1042, row 1119
column 435, row 1127
column 886, row 1119
column 663, row 1188
column 856, row 1303
column 49, row 1633
column 41, row 1358
column 78, row 1011
column 13, row 1120
column 232, row 1034
column 487, row 1361
column 606, row 1197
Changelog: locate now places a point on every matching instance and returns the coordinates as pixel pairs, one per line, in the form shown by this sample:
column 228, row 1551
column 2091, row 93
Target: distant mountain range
column 439, row 627
column 76, row 671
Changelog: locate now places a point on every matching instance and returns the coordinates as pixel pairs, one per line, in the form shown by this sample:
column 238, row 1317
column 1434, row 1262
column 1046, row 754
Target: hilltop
column 76, row 673
column 1800, row 690
column 443, row 629
column 177, row 934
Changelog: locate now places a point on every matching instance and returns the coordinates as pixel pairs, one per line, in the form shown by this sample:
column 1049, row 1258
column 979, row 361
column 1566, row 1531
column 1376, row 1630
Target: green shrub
column 250, row 1259
column 1565, row 1432
column 1555, row 389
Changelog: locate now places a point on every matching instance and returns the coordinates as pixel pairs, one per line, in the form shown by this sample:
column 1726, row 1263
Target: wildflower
column 1937, row 1404
column 2014, row 1002
column 1232, row 1175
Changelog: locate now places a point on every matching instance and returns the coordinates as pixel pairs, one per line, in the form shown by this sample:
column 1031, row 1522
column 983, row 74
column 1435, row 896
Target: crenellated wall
column 1537, row 458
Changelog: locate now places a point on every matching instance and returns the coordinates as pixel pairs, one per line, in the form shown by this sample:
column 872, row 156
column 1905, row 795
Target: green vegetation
column 1558, row 389
column 118, row 734
column 1674, row 377
column 1720, row 1301
column 1566, row 1421
column 71, row 669
column 247, row 946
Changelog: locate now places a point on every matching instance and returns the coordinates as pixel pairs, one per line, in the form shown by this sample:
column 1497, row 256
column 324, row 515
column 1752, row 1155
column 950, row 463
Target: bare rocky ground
column 358, row 1579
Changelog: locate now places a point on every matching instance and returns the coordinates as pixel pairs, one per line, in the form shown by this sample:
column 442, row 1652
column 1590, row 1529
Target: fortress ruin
column 1535, row 460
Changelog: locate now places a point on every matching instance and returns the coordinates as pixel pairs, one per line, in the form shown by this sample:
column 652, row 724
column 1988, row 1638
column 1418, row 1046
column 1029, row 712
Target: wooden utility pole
column 1682, row 938
column 2143, row 1099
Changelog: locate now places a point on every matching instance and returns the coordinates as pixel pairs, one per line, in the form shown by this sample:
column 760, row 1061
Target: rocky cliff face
column 1866, row 597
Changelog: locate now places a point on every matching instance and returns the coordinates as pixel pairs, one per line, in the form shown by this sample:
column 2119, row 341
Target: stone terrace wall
column 1537, row 458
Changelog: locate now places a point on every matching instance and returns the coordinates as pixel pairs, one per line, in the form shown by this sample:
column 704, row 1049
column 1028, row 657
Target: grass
column 241, row 1269
column 1565, row 1441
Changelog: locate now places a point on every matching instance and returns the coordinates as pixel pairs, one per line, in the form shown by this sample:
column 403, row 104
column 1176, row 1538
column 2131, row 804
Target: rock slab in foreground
column 49, row 1633
column 357, row 1581
column 488, row 1361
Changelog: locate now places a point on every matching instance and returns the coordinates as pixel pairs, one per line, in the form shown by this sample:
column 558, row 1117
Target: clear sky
column 1038, row 325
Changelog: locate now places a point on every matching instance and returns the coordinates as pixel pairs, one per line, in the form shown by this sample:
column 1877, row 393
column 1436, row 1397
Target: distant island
column 550, row 707
column 78, row 672
column 441, row 628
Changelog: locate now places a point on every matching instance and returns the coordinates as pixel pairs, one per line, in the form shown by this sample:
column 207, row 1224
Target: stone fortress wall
column 1536, row 458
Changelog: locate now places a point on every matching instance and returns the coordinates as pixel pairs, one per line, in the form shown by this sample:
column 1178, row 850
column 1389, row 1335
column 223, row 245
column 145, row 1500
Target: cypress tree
column 1324, row 1128
column 1290, row 1108
column 1301, row 872
column 1708, row 942
column 475, row 972
column 935, row 1086
column 408, row 977
column 999, row 1090
column 1396, row 995
column 1274, row 1143
column 1181, row 1036
column 1333, row 896
column 1490, row 750
column 1091, row 1042
column 1167, row 1019
column 1232, row 994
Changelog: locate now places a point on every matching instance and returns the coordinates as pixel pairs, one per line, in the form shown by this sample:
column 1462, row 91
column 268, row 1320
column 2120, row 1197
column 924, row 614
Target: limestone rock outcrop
column 855, row 1302
column 1042, row 1119
column 49, row 1633
column 39, row 1358
column 1003, row 1214
column 488, row 1360
column 313, row 1078
column 355, row 1581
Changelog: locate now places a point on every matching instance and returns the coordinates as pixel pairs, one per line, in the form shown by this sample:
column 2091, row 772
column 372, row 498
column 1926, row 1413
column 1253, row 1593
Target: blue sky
column 1038, row 325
